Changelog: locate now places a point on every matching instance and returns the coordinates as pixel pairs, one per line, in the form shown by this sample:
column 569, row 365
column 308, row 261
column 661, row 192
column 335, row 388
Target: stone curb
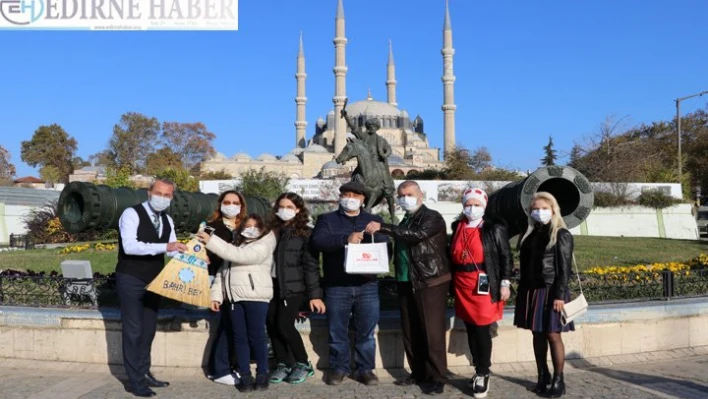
column 519, row 369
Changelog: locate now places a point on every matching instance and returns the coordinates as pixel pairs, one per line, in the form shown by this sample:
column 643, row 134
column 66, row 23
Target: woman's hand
column 203, row 237
column 215, row 306
column 558, row 305
column 317, row 306
column 505, row 294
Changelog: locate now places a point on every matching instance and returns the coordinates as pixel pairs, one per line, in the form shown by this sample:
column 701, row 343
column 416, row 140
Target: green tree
column 50, row 146
column 118, row 177
column 134, row 138
column 78, row 163
column 551, row 154
column 7, row 169
column 50, row 174
column 184, row 180
column 575, row 155
column 162, row 159
column 218, row 175
column 191, row 141
column 457, row 164
column 262, row 183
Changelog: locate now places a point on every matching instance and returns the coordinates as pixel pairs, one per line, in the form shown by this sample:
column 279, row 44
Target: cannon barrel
column 571, row 189
column 86, row 206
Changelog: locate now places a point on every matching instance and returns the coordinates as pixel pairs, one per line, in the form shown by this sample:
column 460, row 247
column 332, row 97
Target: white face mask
column 251, row 232
column 285, row 214
column 409, row 204
column 350, row 204
column 159, row 203
column 542, row 215
column 230, row 211
column 474, row 212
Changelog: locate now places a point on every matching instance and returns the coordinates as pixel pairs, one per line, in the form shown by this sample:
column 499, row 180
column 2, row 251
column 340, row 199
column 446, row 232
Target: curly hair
column 299, row 224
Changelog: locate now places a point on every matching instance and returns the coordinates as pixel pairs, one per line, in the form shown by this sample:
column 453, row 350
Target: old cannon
column 572, row 190
column 86, row 206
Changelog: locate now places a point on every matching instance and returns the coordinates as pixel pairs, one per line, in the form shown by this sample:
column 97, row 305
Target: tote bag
column 578, row 306
column 366, row 258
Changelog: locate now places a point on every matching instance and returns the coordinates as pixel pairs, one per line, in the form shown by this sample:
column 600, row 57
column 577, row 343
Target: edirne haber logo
column 119, row 14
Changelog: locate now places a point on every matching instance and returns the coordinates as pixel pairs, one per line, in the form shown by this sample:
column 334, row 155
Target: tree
column 118, row 177
column 575, row 155
column 50, row 146
column 457, row 164
column 480, row 160
column 262, row 183
column 134, row 138
column 218, row 175
column 7, row 169
column 78, row 163
column 184, row 180
column 163, row 159
column 50, row 174
column 192, row 141
column 551, row 154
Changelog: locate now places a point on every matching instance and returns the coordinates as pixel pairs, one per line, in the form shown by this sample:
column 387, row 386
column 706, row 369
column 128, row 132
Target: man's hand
column 558, row 305
column 373, row 227
column 215, row 306
column 355, row 238
column 203, row 237
column 317, row 306
column 505, row 293
column 176, row 246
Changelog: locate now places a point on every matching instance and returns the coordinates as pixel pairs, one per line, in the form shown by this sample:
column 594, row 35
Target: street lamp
column 678, row 128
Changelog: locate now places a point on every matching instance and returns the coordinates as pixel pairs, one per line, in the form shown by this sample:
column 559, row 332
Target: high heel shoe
column 557, row 387
column 544, row 381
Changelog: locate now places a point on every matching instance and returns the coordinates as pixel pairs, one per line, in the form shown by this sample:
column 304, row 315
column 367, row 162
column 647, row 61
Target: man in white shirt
column 145, row 234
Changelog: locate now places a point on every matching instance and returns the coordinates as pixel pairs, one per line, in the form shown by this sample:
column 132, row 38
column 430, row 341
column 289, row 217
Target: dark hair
column 241, row 215
column 299, row 223
column 260, row 223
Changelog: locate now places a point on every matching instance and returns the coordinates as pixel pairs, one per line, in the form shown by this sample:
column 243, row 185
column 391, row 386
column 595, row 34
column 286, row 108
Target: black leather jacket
column 426, row 236
column 542, row 267
column 498, row 260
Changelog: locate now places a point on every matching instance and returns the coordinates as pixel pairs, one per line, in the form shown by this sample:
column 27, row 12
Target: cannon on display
column 86, row 206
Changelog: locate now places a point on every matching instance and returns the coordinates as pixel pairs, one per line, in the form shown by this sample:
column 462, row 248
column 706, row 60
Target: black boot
column 544, row 381
column 557, row 387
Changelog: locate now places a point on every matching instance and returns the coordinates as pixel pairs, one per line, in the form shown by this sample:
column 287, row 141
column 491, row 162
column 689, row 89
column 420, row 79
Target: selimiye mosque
column 314, row 158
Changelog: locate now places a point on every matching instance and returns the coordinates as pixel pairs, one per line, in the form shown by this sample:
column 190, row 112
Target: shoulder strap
column 577, row 275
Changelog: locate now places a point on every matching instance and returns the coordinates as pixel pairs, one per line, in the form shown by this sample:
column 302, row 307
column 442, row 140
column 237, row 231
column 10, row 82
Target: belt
column 469, row 268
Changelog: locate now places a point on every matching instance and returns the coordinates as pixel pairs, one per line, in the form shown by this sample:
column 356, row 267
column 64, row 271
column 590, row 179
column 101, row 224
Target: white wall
column 11, row 221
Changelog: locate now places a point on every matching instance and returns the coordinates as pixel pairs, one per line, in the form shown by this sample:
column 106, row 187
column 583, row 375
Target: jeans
column 361, row 303
column 222, row 349
column 248, row 320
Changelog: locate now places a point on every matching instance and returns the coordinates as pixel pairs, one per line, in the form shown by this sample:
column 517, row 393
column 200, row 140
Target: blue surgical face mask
column 542, row 215
column 159, row 203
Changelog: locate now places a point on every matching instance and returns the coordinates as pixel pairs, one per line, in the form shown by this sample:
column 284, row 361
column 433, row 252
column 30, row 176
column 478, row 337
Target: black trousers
column 479, row 339
column 138, row 311
column 287, row 343
column 423, row 324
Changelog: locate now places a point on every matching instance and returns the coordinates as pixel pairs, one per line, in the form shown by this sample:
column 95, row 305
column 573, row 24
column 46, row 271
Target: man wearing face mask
column 145, row 234
column 423, row 275
column 348, row 294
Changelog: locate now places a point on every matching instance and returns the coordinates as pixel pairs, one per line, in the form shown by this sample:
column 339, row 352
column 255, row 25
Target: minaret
column 340, row 80
column 448, row 79
column 391, row 77
column 300, row 100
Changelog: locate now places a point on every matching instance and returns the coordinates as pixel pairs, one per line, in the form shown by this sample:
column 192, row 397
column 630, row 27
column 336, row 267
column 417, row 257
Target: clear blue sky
column 525, row 70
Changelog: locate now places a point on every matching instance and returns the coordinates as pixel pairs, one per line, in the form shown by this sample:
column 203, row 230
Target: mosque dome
column 395, row 160
column 372, row 107
column 219, row 156
column 266, row 157
column 330, row 165
column 316, row 148
column 321, row 122
column 290, row 158
column 241, row 155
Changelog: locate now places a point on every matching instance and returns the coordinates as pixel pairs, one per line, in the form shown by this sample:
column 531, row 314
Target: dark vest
column 145, row 267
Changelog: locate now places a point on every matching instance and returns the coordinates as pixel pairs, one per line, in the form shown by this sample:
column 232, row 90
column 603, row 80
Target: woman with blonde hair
column 545, row 262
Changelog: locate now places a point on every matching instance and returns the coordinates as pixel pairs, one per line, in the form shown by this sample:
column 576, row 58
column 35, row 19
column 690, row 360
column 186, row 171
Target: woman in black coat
column 296, row 278
column 226, row 221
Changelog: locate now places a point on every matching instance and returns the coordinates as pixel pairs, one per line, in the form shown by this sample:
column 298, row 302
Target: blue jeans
column 362, row 304
column 248, row 320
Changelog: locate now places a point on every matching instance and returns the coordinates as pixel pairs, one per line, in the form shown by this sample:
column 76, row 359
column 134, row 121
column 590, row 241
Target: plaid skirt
column 534, row 311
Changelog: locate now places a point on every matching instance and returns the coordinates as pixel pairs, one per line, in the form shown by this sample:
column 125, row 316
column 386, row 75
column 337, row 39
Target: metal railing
column 21, row 241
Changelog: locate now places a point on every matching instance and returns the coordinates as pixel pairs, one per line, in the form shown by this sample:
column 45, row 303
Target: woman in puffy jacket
column 296, row 278
column 242, row 290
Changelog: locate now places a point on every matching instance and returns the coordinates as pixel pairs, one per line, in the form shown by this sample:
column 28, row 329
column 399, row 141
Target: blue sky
column 525, row 70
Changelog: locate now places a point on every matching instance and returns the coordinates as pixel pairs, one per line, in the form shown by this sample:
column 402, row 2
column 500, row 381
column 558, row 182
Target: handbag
column 578, row 306
column 366, row 258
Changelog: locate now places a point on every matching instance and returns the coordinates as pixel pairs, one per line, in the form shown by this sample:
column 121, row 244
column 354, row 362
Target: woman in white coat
column 242, row 289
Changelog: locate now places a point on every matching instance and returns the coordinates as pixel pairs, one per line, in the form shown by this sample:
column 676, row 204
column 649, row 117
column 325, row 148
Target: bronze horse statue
column 368, row 174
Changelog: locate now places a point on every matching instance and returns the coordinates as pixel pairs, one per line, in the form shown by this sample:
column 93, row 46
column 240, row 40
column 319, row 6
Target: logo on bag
column 367, row 257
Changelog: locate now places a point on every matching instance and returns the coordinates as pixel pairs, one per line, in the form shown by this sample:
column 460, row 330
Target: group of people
column 266, row 270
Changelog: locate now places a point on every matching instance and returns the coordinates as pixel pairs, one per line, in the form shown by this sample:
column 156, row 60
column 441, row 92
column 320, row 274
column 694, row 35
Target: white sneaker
column 228, row 379
column 481, row 386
